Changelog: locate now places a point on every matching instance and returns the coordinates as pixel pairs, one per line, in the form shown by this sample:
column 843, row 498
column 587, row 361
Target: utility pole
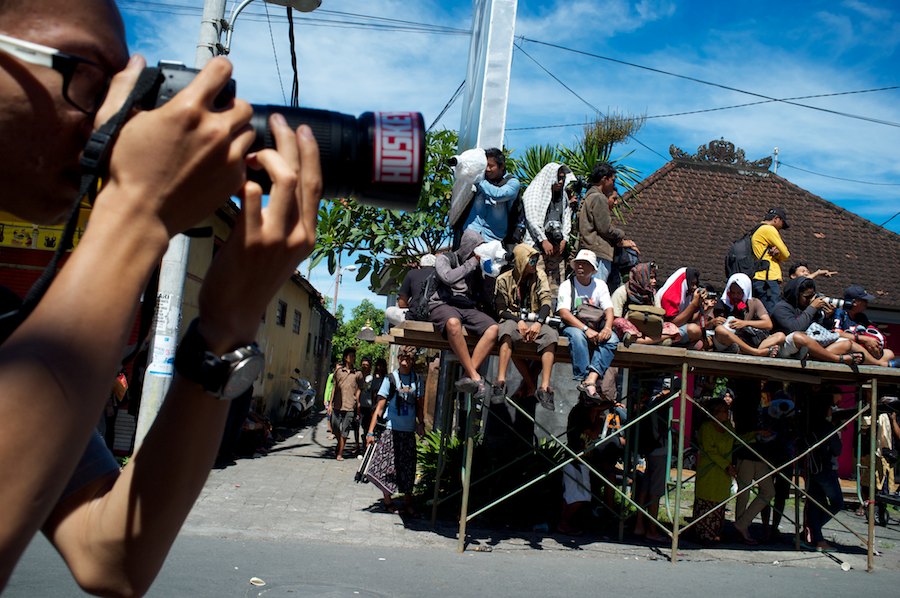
column 173, row 270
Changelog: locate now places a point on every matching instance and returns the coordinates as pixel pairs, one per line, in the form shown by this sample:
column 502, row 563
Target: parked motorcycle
column 301, row 400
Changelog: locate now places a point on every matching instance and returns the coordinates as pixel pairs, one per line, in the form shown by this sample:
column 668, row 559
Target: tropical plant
column 385, row 243
column 363, row 314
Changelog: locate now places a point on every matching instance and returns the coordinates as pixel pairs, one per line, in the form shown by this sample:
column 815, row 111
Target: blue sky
column 774, row 49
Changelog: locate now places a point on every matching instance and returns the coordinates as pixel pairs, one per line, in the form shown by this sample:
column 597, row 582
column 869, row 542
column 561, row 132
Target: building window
column 281, row 313
column 308, row 342
column 297, row 318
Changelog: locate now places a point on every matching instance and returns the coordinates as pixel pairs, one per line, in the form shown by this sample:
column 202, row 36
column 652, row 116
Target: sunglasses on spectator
column 85, row 82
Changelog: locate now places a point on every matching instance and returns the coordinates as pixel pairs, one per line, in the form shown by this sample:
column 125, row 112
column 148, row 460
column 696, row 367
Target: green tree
column 362, row 314
column 387, row 242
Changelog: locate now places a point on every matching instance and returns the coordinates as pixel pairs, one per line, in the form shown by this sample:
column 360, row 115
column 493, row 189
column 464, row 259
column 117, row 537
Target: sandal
column 774, row 351
column 856, row 358
column 803, row 355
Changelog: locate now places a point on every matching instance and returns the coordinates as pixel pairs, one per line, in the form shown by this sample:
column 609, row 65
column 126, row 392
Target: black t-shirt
column 412, row 283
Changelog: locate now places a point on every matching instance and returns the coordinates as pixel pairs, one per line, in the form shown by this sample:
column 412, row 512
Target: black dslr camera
column 578, row 185
column 378, row 159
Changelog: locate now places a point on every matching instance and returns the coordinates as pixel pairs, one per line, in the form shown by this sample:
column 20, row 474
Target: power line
column 449, row 103
column 275, row 54
column 710, row 83
column 704, row 110
column 889, row 219
column 828, row 176
column 591, row 106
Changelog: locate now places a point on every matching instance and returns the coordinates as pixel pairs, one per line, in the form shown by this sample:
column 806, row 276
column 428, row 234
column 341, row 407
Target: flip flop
column 774, row 351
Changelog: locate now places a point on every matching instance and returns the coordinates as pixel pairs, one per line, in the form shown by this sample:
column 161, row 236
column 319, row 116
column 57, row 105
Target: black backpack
column 418, row 303
column 740, row 257
column 515, row 223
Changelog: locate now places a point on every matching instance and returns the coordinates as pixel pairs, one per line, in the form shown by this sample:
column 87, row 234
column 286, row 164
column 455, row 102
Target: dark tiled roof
column 689, row 212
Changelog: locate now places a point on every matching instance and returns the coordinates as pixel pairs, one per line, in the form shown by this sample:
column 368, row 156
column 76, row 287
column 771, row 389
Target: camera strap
column 93, row 163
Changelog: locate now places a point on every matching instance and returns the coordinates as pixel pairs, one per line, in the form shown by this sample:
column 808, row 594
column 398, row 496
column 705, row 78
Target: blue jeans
column 604, row 267
column 825, row 488
column 585, row 360
column 768, row 292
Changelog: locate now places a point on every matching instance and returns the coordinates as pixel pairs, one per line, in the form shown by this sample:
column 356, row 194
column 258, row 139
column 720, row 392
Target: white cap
column 586, row 255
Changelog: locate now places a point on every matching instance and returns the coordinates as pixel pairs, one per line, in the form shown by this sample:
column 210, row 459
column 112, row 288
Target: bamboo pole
column 466, row 474
column 873, row 433
column 682, row 405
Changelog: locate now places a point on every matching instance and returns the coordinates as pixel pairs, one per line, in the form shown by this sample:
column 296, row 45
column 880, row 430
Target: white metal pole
column 173, row 269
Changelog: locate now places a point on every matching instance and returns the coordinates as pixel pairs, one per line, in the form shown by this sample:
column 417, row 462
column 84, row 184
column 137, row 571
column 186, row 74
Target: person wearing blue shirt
column 400, row 404
column 489, row 213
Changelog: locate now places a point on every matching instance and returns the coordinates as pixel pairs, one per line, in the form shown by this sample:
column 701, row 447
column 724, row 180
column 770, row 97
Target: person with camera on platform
column 741, row 322
column 851, row 322
column 640, row 292
column 596, row 231
column 586, row 311
column 522, row 300
column 799, row 269
column 455, row 304
column 801, row 315
column 170, row 168
column 682, row 299
column 770, row 252
column 494, row 195
column 548, row 218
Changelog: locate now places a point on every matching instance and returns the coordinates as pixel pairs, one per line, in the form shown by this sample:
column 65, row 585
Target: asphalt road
column 201, row 566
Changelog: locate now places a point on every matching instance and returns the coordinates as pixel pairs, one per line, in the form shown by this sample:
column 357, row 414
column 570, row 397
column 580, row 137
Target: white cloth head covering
column 536, row 200
column 742, row 281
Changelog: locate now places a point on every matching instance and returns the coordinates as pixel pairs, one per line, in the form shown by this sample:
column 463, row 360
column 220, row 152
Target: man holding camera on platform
column 170, row 168
column 522, row 300
column 770, row 252
column 595, row 227
column 851, row 322
column 548, row 218
column 586, row 311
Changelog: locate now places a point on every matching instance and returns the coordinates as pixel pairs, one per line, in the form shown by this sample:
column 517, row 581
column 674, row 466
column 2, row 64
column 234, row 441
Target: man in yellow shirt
column 769, row 248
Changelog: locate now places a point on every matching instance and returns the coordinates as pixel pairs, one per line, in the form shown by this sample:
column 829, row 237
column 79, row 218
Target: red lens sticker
column 396, row 155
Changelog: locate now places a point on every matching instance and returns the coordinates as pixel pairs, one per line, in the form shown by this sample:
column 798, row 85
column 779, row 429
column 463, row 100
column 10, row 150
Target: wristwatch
column 223, row 376
column 584, row 328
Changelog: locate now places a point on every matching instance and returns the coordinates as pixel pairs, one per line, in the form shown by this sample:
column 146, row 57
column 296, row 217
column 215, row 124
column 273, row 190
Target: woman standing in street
column 400, row 403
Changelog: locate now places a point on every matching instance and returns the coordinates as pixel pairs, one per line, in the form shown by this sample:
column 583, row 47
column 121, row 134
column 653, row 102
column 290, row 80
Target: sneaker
column 498, row 393
column 545, row 397
column 466, row 385
column 627, row 339
column 482, row 391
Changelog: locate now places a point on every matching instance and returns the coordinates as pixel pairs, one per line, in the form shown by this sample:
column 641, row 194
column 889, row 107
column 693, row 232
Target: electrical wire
column 704, row 110
column 710, row 83
column 889, row 219
column 295, row 83
column 275, row 54
column 449, row 103
column 837, row 178
column 587, row 103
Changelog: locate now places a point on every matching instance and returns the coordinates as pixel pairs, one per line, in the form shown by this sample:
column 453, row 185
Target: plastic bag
column 493, row 257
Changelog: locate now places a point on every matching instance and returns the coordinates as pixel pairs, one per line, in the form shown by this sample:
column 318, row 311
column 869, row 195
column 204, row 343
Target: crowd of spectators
column 560, row 284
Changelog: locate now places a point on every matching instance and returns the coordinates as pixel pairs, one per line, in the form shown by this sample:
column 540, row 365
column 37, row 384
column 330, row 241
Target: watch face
column 242, row 375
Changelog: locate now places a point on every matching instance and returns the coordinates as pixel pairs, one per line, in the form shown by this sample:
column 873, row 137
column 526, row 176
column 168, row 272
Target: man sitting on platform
column 523, row 301
column 454, row 305
column 851, row 322
column 800, row 315
column 742, row 323
column 586, row 310
column 681, row 297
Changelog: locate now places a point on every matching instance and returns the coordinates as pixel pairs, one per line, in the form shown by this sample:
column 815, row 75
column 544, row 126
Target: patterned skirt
column 709, row 528
column 393, row 466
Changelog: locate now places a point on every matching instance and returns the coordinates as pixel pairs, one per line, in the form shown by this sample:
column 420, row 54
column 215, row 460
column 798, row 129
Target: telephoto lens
column 377, row 159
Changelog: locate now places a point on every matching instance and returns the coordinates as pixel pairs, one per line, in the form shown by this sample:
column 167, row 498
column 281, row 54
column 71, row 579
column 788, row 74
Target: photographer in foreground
column 170, row 168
